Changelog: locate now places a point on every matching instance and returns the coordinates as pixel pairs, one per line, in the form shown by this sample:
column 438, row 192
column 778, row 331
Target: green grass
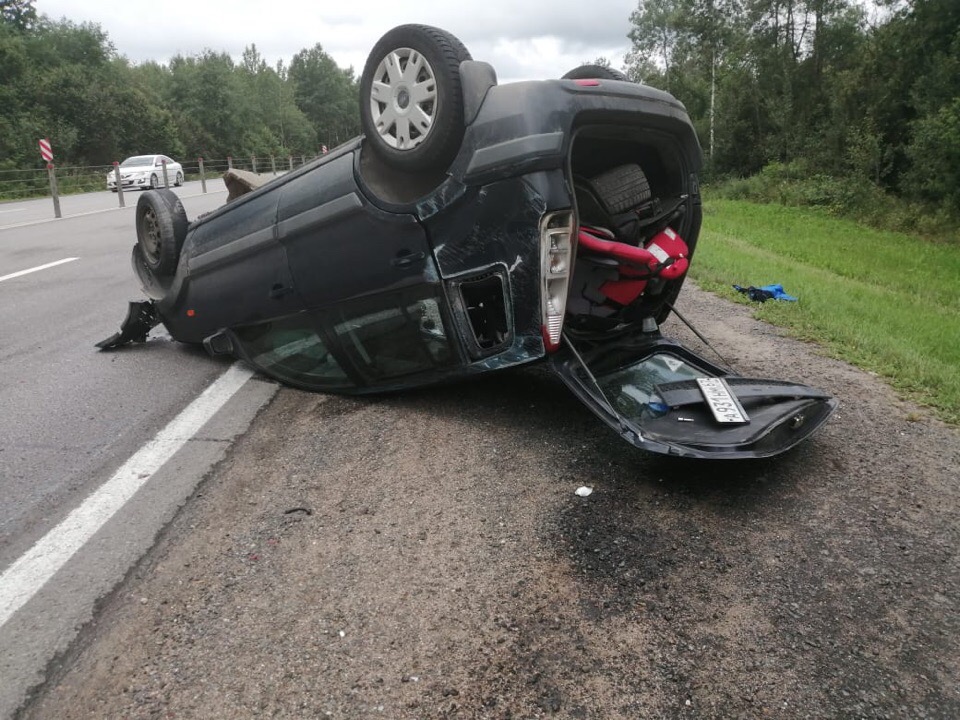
column 885, row 301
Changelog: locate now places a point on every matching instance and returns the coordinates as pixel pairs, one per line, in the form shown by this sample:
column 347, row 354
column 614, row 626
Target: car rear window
column 632, row 390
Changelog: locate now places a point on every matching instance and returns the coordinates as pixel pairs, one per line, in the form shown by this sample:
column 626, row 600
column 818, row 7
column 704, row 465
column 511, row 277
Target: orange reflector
column 191, row 313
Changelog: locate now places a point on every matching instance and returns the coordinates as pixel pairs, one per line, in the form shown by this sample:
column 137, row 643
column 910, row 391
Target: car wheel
column 154, row 182
column 161, row 228
column 179, row 181
column 594, row 72
column 458, row 47
column 411, row 99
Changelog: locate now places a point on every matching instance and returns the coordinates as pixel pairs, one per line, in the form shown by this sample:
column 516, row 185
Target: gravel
column 425, row 555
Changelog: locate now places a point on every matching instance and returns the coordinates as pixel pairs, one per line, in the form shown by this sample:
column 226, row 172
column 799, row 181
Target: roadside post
column 116, row 175
column 290, row 160
column 203, row 177
column 273, row 165
column 53, row 189
column 46, row 152
column 253, row 162
column 166, row 180
column 229, row 163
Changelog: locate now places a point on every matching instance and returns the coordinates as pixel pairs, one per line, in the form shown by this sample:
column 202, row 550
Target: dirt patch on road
column 425, row 556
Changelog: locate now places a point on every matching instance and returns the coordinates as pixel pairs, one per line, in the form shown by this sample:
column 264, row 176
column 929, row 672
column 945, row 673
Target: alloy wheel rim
column 403, row 99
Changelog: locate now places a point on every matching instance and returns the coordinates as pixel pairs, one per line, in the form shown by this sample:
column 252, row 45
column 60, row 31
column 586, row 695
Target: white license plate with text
column 721, row 401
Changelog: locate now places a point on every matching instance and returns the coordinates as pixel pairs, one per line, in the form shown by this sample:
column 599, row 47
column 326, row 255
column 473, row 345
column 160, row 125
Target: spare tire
column 162, row 226
column 411, row 98
column 595, row 72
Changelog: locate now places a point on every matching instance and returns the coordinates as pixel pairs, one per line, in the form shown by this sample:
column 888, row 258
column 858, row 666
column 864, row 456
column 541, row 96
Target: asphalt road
column 72, row 416
column 424, row 555
column 29, row 212
column 71, row 206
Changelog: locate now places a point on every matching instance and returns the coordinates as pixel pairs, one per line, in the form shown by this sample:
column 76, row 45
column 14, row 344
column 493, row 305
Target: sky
column 522, row 39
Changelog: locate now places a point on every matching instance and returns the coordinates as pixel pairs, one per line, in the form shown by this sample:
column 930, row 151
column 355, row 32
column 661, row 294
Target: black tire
column 459, row 48
column 154, row 182
column 595, row 72
column 405, row 145
column 161, row 228
column 621, row 188
column 179, row 180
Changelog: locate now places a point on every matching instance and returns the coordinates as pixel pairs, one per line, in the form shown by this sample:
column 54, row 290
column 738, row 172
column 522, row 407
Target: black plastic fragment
column 141, row 318
column 754, row 293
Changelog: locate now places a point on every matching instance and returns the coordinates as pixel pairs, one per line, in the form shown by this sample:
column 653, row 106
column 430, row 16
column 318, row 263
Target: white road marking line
column 14, row 210
column 35, row 269
column 24, row 578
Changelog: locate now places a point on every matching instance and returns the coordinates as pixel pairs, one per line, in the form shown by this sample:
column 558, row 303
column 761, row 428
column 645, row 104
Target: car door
column 367, row 276
column 235, row 271
column 340, row 246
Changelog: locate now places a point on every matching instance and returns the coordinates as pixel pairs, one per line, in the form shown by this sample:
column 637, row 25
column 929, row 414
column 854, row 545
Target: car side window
column 392, row 336
column 290, row 350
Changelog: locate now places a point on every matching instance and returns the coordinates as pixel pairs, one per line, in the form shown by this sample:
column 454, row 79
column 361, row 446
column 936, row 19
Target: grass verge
column 884, row 301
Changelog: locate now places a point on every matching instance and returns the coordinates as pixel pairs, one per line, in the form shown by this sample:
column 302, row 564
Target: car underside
column 557, row 226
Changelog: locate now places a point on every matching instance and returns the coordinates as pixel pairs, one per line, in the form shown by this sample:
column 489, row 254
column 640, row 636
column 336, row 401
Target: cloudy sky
column 522, row 39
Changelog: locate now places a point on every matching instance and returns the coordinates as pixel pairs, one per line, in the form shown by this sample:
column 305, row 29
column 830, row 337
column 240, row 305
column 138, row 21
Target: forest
column 858, row 99
column 66, row 81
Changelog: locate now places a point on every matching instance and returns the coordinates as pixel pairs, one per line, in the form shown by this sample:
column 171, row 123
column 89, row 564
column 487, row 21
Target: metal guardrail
column 53, row 181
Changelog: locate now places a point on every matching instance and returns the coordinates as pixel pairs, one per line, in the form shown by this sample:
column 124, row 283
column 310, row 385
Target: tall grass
column 885, row 301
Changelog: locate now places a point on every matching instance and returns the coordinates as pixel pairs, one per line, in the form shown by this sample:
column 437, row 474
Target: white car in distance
column 146, row 171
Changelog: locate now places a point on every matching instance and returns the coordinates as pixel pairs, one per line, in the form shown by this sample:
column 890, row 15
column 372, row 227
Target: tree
column 65, row 81
column 327, row 95
column 270, row 92
column 18, row 14
column 207, row 97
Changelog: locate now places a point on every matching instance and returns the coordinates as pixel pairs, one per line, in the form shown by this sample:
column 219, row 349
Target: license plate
column 721, row 401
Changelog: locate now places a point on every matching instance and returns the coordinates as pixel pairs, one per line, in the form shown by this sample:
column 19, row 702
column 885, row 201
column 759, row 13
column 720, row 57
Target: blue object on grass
column 765, row 292
column 778, row 293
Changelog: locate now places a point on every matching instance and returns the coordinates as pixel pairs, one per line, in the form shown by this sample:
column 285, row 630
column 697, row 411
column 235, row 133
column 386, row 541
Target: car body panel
column 331, row 226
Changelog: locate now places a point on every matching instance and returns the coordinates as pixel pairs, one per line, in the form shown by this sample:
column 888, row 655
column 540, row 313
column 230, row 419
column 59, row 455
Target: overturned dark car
column 473, row 227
